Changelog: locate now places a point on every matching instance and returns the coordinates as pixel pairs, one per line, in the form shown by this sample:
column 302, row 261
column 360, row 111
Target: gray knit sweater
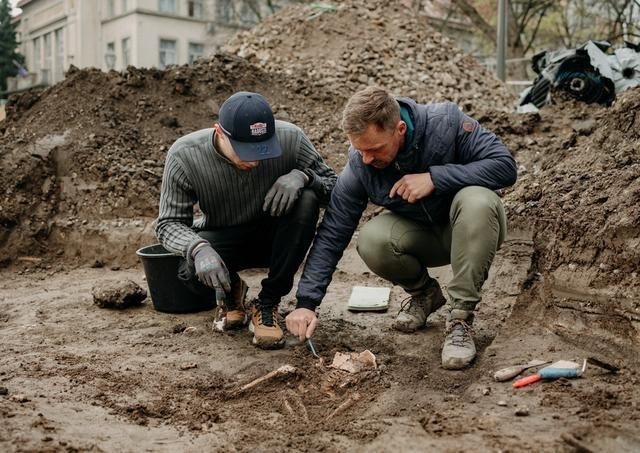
column 195, row 172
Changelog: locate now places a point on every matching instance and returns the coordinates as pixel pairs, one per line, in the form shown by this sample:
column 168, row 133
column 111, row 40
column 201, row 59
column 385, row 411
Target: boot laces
column 459, row 332
column 266, row 315
column 410, row 304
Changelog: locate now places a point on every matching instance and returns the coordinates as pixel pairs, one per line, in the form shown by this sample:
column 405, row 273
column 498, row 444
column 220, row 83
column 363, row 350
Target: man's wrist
column 310, row 177
column 197, row 248
column 306, row 303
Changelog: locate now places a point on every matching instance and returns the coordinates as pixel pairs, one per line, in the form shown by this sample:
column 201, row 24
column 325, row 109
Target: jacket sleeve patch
column 468, row 126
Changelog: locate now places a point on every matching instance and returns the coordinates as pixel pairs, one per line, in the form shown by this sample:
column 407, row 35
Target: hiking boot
column 415, row 310
column 267, row 334
column 231, row 313
column 458, row 350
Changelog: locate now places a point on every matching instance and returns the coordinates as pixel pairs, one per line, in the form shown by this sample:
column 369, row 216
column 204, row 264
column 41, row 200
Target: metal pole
column 501, row 39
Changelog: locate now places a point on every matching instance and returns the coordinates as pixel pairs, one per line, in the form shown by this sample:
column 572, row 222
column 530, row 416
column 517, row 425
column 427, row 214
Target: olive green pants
column 400, row 250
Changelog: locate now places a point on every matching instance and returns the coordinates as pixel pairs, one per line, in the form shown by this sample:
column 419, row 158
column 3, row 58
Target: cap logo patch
column 263, row 150
column 258, row 129
column 468, row 126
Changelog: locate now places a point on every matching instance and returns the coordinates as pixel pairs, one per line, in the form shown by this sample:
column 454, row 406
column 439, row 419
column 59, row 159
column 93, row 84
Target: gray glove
column 210, row 268
column 284, row 193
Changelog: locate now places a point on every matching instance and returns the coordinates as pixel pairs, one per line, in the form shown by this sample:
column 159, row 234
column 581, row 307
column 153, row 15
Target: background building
column 112, row 34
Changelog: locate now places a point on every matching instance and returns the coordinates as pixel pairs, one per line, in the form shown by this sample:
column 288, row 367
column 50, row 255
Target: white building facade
column 108, row 34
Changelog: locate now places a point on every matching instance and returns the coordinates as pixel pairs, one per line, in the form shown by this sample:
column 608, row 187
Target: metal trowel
column 510, row 372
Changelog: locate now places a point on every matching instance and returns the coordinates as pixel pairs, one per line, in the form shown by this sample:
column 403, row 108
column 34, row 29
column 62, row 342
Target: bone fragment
column 284, row 370
column 353, row 399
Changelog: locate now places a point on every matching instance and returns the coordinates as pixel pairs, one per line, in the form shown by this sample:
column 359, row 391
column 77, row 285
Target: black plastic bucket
column 167, row 292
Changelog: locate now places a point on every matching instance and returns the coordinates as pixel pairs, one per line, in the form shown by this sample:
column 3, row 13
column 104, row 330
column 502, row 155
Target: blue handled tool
column 560, row 369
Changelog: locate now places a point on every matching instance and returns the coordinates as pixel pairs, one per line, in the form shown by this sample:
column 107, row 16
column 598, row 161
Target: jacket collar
column 406, row 160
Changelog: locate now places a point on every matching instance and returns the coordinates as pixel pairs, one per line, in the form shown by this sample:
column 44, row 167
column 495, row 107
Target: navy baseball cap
column 246, row 118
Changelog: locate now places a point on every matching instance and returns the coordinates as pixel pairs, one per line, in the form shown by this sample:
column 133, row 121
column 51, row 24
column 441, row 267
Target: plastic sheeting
column 587, row 72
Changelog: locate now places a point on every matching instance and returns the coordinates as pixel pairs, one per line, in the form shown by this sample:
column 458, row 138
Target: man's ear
column 401, row 127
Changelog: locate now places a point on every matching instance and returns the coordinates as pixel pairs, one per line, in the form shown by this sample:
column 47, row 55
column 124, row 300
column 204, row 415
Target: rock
column 522, row 412
column 118, row 295
column 584, row 127
column 4, row 391
column 19, row 398
column 169, row 121
column 502, row 403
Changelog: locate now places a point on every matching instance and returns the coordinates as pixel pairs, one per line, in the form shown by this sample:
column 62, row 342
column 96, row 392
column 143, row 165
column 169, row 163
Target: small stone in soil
column 119, row 295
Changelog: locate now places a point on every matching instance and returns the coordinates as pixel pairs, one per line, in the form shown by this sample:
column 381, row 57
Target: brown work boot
column 231, row 313
column 416, row 309
column 267, row 334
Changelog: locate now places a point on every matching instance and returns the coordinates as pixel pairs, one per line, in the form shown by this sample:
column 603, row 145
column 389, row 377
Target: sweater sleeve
column 177, row 198
column 322, row 177
column 481, row 158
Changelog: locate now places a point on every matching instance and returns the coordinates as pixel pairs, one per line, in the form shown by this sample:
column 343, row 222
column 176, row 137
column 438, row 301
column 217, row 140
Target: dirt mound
column 330, row 53
column 91, row 148
column 580, row 187
column 578, row 192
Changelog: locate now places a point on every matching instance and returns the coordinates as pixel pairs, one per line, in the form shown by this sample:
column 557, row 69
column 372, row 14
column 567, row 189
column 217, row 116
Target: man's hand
column 284, row 193
column 301, row 322
column 210, row 268
column 413, row 187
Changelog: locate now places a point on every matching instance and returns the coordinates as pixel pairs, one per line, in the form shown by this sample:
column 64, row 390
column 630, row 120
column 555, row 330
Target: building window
column 59, row 56
column 167, row 53
column 110, row 55
column 168, row 6
column 125, row 6
column 126, row 52
column 111, row 8
column 224, row 10
column 48, row 52
column 195, row 9
column 195, row 51
column 37, row 55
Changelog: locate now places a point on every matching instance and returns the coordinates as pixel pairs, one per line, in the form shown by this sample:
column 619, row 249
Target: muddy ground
column 80, row 169
column 81, row 378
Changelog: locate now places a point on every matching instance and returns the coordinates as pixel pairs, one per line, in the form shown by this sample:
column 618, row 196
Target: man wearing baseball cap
column 259, row 184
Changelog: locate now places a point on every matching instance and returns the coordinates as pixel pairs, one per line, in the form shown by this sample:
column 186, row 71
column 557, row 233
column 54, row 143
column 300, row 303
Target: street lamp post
column 501, row 39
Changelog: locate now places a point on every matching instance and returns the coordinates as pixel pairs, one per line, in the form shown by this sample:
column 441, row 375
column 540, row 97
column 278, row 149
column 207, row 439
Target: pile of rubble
column 579, row 186
column 328, row 51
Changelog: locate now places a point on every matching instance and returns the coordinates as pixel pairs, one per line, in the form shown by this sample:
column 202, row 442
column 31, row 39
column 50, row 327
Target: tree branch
column 478, row 21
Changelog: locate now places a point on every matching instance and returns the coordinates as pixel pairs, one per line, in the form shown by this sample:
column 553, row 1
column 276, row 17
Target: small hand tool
column 311, row 348
column 556, row 370
column 510, row 372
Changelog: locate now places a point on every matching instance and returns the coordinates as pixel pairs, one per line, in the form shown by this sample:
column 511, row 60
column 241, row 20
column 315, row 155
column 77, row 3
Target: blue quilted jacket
column 452, row 146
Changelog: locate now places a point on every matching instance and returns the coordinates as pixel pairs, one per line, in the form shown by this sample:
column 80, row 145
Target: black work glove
column 210, row 268
column 284, row 193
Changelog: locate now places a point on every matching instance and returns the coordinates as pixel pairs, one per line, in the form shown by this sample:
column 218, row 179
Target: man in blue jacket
column 435, row 170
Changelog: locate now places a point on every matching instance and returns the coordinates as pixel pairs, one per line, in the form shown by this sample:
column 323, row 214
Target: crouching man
column 435, row 170
column 259, row 184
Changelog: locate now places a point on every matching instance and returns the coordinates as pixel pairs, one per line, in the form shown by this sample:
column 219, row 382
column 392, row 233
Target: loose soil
column 81, row 165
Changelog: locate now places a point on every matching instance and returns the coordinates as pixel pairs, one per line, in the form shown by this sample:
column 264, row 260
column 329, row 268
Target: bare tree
column 621, row 20
column 525, row 17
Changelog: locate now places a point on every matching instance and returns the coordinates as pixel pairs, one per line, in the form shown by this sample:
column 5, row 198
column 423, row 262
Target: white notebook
column 369, row 298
